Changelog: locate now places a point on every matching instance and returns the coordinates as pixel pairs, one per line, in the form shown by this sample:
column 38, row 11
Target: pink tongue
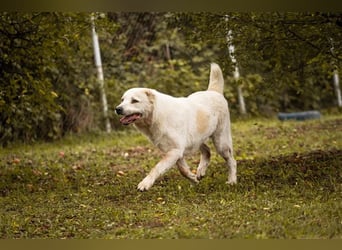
column 128, row 119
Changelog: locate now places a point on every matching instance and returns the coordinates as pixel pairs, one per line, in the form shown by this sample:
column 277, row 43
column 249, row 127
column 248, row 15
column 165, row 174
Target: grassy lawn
column 289, row 186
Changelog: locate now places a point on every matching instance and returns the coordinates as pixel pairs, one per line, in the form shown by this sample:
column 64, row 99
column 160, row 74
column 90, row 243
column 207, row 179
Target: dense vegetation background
column 48, row 84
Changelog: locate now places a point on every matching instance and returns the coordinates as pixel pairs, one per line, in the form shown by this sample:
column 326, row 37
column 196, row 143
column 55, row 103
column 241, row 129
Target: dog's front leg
column 165, row 164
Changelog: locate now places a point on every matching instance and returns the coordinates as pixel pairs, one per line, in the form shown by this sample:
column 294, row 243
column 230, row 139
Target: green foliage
column 291, row 52
column 48, row 85
column 27, row 99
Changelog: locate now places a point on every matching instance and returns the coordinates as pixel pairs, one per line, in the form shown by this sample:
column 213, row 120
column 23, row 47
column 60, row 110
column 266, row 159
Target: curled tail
column 216, row 81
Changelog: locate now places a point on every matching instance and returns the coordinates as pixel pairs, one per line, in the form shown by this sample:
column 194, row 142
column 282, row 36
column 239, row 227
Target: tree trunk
column 231, row 50
column 337, row 89
column 168, row 54
column 98, row 65
column 336, row 76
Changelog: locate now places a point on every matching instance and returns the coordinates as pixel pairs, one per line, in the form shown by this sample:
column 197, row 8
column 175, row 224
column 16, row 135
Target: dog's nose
column 119, row 110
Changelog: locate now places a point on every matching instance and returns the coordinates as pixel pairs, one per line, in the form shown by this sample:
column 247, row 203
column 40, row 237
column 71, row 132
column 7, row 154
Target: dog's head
column 136, row 105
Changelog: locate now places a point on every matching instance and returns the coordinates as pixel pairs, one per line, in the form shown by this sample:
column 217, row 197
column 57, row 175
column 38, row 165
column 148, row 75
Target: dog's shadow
column 315, row 169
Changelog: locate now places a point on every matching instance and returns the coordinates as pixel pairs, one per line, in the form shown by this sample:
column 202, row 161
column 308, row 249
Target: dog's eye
column 134, row 101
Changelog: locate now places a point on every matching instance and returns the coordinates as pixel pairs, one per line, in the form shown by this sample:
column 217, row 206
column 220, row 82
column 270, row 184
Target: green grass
column 289, row 186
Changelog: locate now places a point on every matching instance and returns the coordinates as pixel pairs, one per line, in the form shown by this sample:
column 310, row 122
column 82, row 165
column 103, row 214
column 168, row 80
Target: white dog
column 181, row 126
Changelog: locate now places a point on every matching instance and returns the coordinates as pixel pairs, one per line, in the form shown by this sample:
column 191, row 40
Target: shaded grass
column 289, row 186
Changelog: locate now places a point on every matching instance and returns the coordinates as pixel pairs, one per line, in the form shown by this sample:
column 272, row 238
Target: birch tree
column 236, row 73
column 98, row 64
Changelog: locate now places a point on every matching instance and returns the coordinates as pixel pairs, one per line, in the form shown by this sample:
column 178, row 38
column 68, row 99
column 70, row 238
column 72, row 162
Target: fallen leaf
column 16, row 161
column 120, row 173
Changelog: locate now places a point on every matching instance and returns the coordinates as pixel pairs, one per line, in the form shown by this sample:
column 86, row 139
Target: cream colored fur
column 182, row 126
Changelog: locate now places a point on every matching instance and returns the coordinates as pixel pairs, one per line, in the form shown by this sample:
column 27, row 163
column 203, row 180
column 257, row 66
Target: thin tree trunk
column 336, row 76
column 337, row 89
column 231, row 50
column 98, row 64
column 168, row 54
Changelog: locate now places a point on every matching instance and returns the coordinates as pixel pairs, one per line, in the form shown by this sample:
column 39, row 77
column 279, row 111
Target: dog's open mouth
column 128, row 119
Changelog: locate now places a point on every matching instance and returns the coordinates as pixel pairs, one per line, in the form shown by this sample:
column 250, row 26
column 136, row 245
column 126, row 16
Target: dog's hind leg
column 204, row 162
column 224, row 146
column 185, row 170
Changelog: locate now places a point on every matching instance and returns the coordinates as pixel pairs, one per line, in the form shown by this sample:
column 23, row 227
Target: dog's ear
column 150, row 96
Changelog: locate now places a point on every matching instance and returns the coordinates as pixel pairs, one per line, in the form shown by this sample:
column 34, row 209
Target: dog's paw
column 193, row 178
column 145, row 184
column 231, row 181
column 199, row 176
column 200, row 173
